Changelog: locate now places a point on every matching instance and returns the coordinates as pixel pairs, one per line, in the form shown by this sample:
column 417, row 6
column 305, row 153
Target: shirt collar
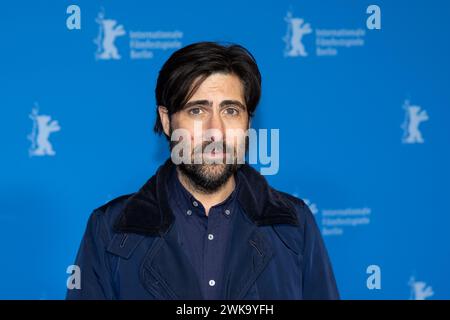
column 187, row 202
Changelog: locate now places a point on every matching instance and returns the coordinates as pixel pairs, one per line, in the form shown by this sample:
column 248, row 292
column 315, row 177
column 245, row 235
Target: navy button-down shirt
column 204, row 238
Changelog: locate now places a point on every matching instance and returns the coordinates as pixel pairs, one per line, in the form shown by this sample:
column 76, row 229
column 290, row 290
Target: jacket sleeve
column 318, row 277
column 93, row 263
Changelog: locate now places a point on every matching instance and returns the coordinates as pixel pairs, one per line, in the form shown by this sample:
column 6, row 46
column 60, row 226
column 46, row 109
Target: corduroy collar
column 148, row 212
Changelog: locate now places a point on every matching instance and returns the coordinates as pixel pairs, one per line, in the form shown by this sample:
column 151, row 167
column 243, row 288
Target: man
column 206, row 225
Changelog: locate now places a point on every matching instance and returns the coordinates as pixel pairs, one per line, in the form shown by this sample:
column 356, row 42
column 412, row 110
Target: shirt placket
column 211, row 256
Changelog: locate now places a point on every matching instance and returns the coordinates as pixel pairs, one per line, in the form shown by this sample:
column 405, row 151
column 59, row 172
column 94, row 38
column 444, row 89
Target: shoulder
column 305, row 233
column 303, row 212
column 113, row 204
column 108, row 213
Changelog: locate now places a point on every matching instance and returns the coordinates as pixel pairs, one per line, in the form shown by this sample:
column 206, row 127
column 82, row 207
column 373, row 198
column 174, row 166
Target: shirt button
column 227, row 212
column 210, row 236
column 189, row 212
column 195, row 204
column 212, row 283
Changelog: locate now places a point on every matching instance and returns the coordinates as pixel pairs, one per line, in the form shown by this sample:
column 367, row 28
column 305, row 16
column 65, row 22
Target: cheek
column 179, row 122
column 239, row 122
column 239, row 126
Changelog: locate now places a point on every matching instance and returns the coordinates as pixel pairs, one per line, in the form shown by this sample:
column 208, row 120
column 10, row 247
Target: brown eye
column 195, row 111
column 231, row 111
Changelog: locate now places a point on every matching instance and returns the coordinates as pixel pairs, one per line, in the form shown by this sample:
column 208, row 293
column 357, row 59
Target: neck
column 207, row 199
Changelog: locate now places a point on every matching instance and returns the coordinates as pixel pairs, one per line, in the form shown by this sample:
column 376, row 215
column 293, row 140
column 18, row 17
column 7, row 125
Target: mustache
column 218, row 146
column 234, row 151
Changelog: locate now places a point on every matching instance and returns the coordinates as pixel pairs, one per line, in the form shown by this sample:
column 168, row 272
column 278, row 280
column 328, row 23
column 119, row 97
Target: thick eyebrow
column 233, row 102
column 209, row 103
column 198, row 102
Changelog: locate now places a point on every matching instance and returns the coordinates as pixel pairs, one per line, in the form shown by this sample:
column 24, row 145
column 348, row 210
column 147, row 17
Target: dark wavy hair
column 177, row 78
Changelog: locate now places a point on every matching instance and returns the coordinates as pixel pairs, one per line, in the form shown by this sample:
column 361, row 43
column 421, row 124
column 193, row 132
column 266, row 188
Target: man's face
column 214, row 109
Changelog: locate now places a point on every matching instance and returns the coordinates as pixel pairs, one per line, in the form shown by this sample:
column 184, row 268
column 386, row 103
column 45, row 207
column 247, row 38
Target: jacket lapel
column 248, row 254
column 167, row 271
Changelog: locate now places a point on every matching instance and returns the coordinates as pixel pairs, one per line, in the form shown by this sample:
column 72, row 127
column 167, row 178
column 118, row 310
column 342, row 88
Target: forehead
column 226, row 85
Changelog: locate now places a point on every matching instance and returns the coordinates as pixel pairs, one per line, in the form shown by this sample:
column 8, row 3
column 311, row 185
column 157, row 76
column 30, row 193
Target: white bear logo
column 312, row 206
column 296, row 29
column 107, row 34
column 419, row 290
column 42, row 128
column 414, row 116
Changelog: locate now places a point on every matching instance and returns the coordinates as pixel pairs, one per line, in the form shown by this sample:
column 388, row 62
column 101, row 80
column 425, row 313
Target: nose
column 215, row 127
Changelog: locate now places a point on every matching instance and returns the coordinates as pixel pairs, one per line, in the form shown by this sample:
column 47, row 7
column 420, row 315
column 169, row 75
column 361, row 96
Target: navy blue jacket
column 130, row 249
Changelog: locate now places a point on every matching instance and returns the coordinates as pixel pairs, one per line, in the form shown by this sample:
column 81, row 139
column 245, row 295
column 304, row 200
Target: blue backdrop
column 363, row 118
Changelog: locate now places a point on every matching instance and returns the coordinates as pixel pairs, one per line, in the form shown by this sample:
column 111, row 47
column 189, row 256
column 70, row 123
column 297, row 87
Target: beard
column 208, row 177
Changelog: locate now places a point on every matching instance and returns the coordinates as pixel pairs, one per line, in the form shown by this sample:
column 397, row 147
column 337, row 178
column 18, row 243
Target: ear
column 165, row 120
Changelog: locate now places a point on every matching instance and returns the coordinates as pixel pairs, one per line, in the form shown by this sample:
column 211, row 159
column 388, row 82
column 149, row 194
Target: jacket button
column 212, row 283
